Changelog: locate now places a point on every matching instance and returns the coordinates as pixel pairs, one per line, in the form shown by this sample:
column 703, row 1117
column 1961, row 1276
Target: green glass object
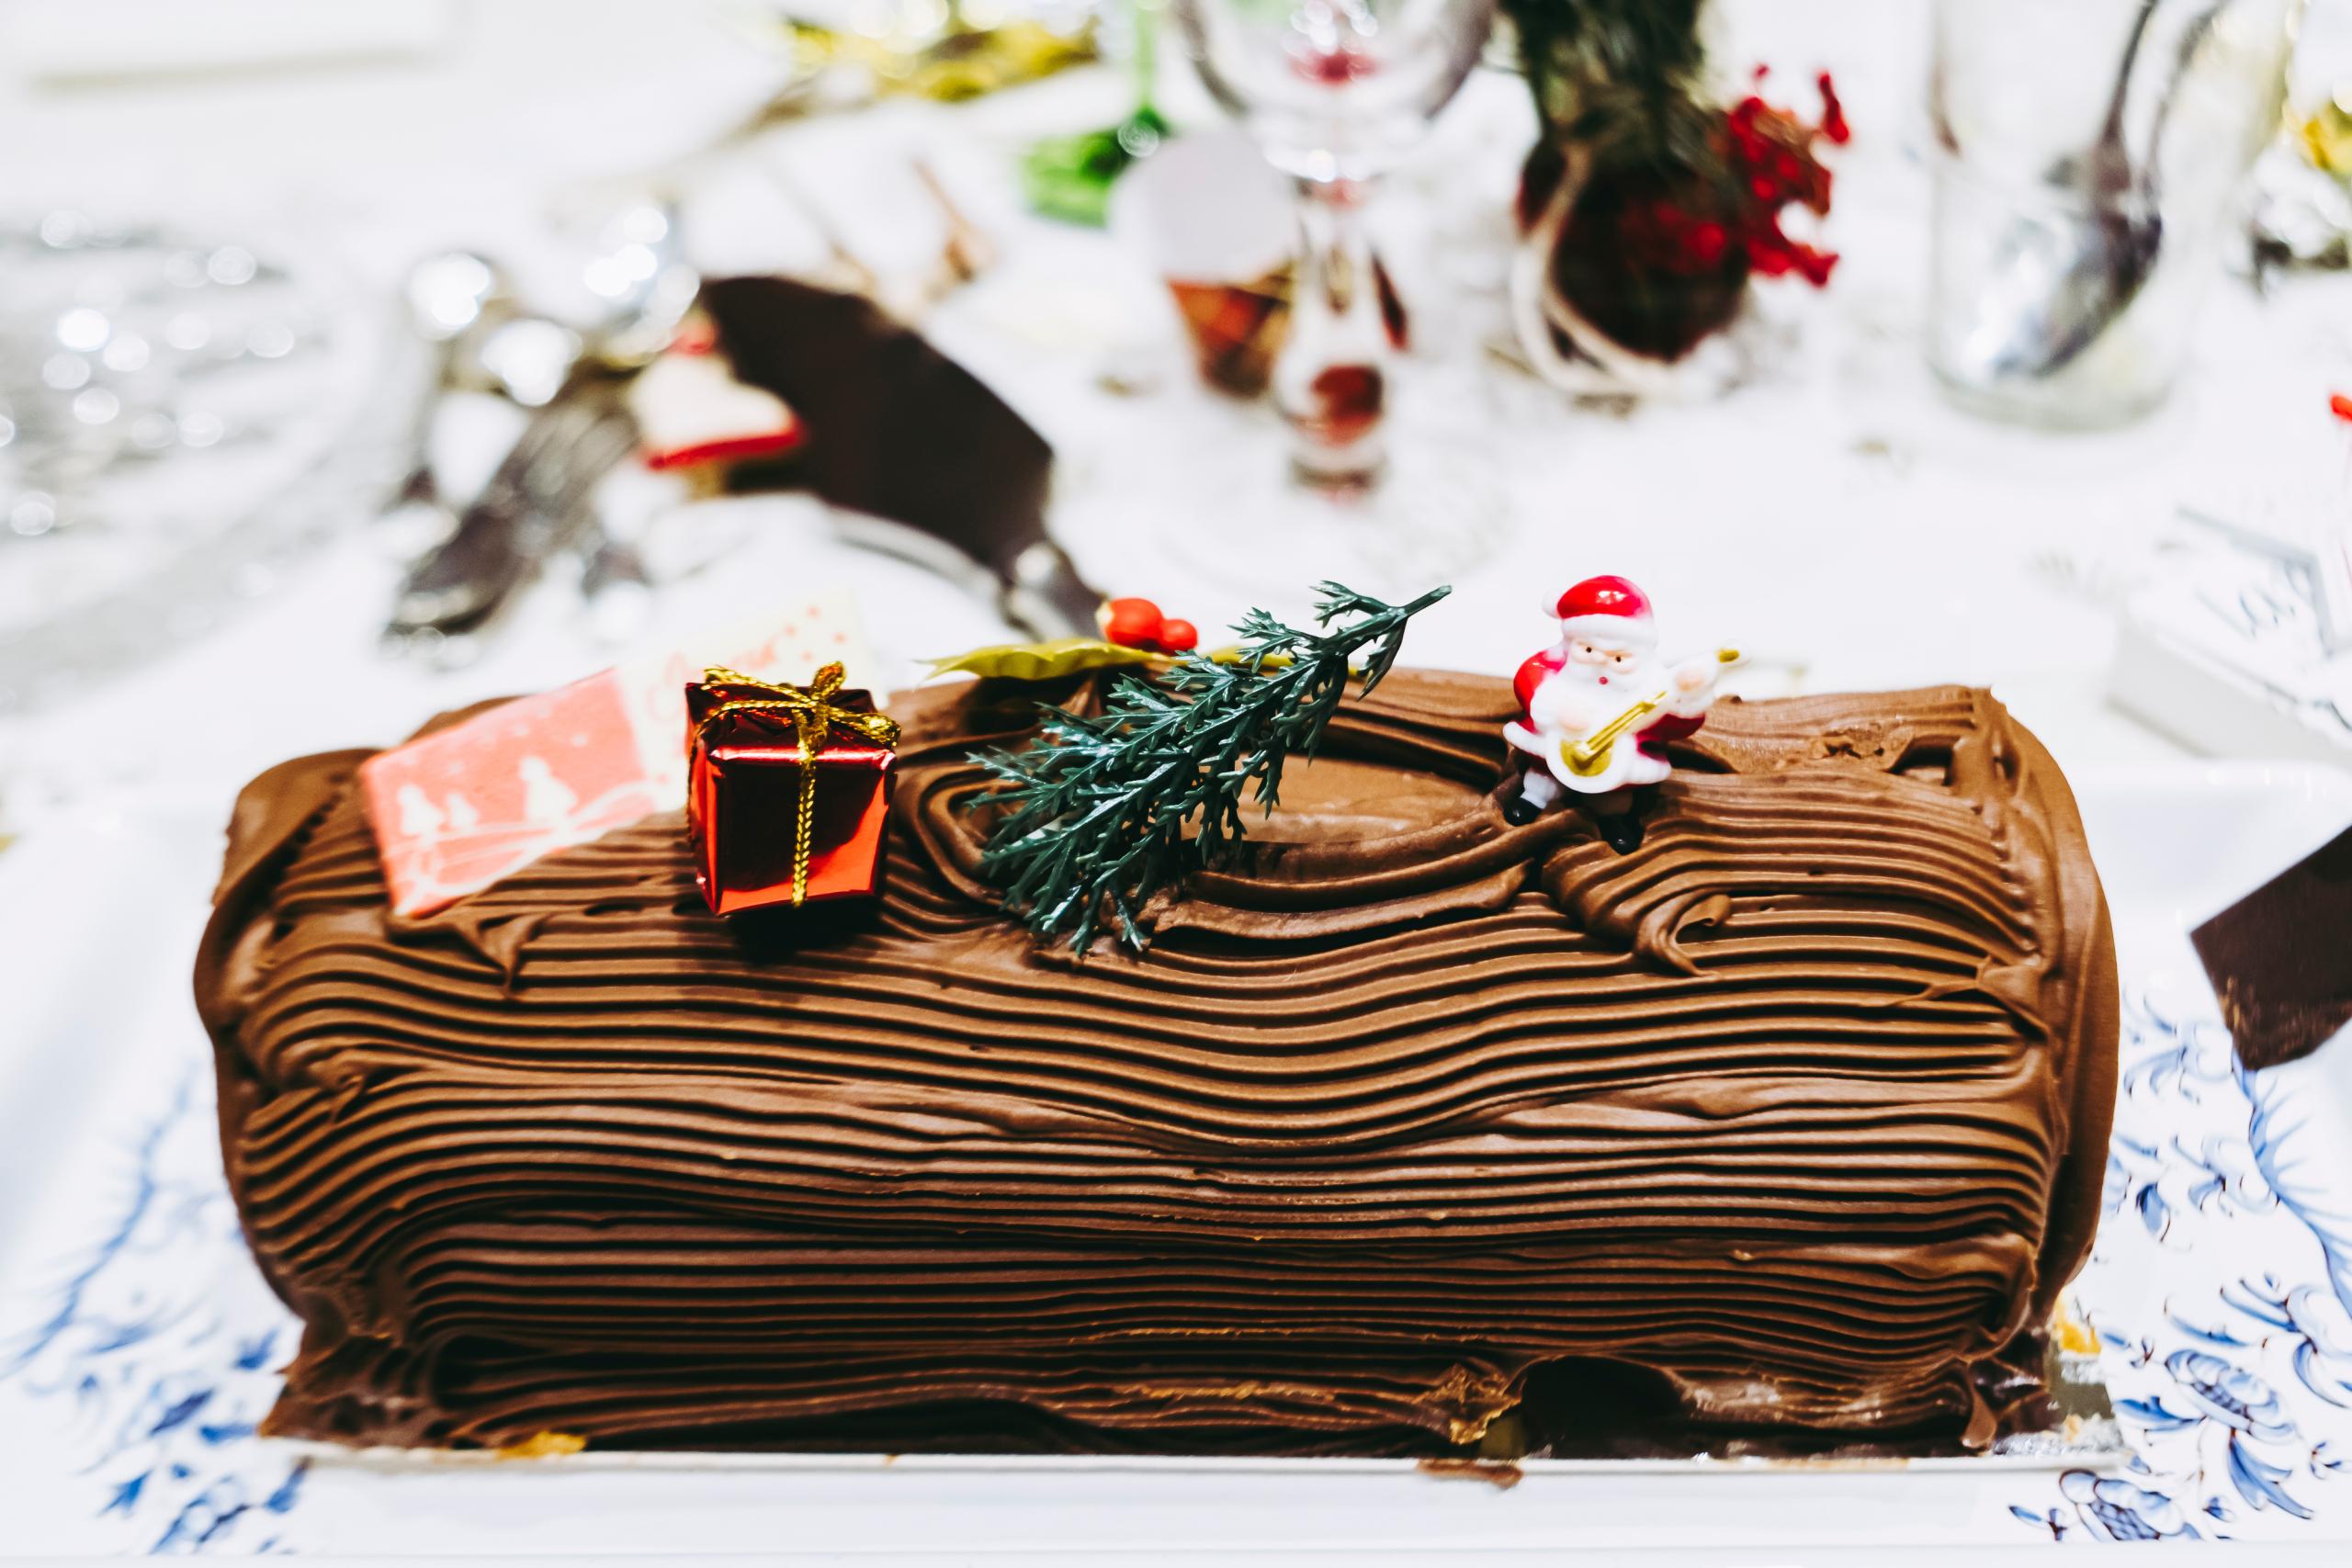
column 1069, row 177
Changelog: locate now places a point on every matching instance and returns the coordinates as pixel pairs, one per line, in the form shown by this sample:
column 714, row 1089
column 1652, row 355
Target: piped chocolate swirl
column 1413, row 1132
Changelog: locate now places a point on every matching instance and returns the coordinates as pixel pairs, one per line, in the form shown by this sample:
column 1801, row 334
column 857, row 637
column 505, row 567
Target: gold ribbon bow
column 812, row 712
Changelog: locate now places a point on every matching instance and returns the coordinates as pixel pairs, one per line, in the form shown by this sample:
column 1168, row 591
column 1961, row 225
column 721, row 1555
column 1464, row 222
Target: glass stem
column 1330, row 380
column 1146, row 53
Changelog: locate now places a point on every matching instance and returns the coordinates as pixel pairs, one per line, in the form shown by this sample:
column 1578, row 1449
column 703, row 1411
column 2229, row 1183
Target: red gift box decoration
column 788, row 789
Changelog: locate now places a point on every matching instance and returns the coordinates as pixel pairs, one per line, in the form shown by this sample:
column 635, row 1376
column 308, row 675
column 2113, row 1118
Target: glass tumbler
column 2085, row 158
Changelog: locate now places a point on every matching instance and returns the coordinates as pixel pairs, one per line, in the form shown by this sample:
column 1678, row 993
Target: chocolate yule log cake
column 1412, row 1132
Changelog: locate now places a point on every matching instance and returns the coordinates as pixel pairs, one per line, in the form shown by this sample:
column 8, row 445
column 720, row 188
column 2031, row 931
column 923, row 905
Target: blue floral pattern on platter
column 2220, row 1290
column 157, row 1352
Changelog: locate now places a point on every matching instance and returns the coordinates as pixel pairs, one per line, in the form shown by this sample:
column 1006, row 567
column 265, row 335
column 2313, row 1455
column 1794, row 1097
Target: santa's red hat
column 1609, row 608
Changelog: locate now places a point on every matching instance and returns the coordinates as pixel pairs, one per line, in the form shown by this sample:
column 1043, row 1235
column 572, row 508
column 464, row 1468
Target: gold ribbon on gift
column 812, row 712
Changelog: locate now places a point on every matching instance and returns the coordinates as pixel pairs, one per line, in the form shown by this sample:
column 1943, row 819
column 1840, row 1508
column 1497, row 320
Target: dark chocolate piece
column 2280, row 958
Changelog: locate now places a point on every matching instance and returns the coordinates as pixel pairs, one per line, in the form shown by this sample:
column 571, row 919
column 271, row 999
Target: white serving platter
column 137, row 1344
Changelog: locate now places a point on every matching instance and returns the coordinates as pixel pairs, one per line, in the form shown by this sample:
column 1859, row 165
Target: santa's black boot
column 1534, row 794
column 1621, row 832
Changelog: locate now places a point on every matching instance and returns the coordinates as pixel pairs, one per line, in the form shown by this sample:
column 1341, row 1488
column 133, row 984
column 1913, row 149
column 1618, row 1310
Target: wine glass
column 1335, row 92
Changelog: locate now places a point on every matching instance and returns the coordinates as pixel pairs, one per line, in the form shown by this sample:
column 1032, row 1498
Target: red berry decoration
column 1138, row 622
column 1132, row 623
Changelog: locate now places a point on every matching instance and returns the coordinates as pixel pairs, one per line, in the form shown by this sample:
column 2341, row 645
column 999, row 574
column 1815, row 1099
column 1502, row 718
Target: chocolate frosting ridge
column 1407, row 1121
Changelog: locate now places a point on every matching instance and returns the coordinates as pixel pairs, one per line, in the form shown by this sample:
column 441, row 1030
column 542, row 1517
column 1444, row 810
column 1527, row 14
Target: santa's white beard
column 1581, row 688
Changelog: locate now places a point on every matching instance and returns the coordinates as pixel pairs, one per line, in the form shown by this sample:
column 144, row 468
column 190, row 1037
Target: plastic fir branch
column 1101, row 812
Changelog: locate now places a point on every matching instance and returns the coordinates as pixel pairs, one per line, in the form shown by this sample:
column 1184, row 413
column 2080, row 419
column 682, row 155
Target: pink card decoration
column 458, row 809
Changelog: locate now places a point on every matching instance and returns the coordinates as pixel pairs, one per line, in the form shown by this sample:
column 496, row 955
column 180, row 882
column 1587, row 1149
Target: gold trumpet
column 1590, row 757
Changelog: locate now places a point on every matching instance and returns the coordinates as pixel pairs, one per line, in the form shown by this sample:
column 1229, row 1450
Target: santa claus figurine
column 1597, row 708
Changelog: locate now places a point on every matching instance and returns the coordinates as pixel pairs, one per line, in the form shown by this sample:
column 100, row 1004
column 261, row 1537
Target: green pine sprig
column 1096, row 809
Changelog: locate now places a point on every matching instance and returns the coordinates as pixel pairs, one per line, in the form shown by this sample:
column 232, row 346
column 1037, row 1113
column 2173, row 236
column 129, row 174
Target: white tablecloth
column 1832, row 515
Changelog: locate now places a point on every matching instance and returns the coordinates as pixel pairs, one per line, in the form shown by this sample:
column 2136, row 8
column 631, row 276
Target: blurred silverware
column 968, row 251
column 644, row 283
column 2065, row 279
column 907, row 294
column 614, row 585
column 448, row 297
column 530, row 360
column 463, row 577
column 841, row 271
column 534, row 502
column 542, row 497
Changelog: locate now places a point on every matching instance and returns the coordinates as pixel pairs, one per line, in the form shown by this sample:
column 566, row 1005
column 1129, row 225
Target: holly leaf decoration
column 1101, row 812
column 1041, row 660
